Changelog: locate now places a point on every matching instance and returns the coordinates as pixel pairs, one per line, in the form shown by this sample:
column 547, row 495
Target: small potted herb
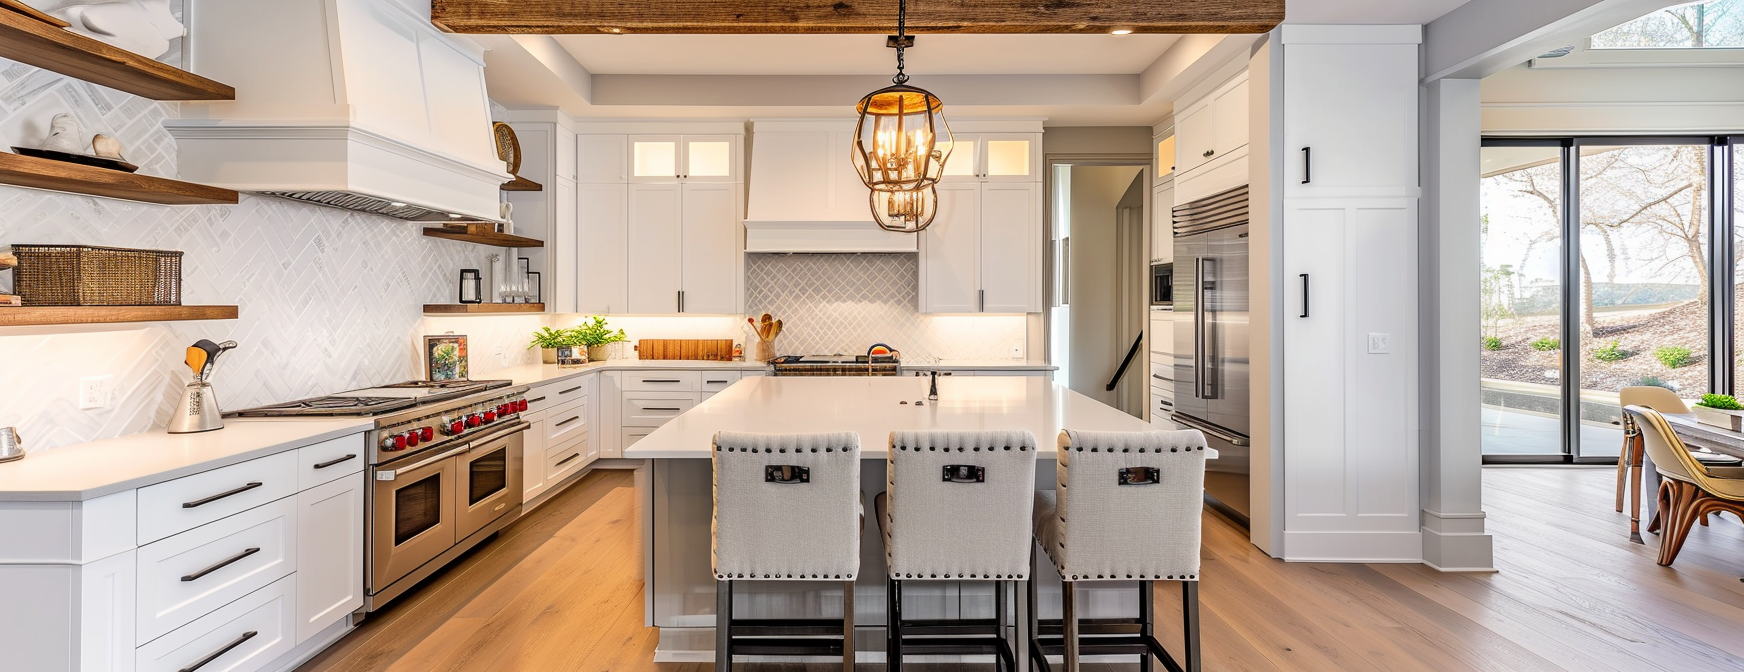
column 596, row 336
column 548, row 340
column 1720, row 410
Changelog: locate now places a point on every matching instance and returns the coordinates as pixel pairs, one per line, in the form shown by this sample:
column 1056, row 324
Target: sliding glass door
column 1600, row 272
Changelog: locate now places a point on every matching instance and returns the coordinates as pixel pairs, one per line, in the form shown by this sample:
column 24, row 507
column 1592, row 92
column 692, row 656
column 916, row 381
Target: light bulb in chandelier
column 902, row 140
column 905, row 211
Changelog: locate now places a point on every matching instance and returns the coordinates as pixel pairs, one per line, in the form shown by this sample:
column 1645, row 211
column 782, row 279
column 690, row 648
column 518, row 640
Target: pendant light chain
column 901, row 41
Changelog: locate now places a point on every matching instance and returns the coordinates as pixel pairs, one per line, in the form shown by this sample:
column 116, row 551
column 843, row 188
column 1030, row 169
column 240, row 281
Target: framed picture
column 445, row 357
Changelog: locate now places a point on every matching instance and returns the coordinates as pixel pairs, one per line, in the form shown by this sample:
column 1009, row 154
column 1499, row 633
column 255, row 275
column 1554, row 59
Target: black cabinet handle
column 1307, row 165
column 215, row 654
column 653, row 408
column 563, row 392
column 221, row 495
column 572, row 418
column 566, row 460
column 336, row 460
column 718, row 382
column 1304, row 295
column 221, row 565
column 536, row 400
column 661, row 380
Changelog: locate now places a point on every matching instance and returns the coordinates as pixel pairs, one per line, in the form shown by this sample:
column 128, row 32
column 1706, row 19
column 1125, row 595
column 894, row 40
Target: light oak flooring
column 561, row 591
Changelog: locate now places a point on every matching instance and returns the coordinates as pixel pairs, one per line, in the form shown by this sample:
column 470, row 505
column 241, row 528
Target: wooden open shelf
column 33, row 42
column 27, row 171
column 522, row 184
column 481, row 308
column 25, row 316
column 473, row 234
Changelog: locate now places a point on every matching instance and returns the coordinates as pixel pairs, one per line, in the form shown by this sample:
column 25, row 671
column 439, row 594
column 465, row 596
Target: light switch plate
column 94, row 391
column 1380, row 344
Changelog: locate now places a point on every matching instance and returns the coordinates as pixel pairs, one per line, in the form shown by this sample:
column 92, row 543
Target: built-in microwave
column 1163, row 285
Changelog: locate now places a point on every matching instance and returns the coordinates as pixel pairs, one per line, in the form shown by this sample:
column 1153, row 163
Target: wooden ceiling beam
column 589, row 17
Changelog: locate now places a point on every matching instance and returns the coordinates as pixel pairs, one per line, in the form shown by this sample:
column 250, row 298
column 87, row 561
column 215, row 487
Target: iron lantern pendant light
column 901, row 144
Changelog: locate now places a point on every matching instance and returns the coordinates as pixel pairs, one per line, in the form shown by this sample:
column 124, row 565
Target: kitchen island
column 677, row 491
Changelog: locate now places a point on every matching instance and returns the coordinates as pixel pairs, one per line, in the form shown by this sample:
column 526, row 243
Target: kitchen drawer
column 191, row 501
column 568, row 443
column 564, row 422
column 1162, row 374
column 634, row 434
column 190, row 574
column 662, row 381
column 1162, row 406
column 653, row 409
column 715, row 381
column 242, row 636
column 559, row 465
column 557, row 394
column 329, row 460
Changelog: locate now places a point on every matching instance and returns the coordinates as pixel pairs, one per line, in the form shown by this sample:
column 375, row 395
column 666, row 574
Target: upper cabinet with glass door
column 994, row 157
column 684, row 158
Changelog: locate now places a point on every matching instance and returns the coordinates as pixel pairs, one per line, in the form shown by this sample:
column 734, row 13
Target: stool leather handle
column 786, row 474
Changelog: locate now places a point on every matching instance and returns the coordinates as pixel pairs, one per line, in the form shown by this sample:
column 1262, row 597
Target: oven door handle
column 500, row 432
column 391, row 474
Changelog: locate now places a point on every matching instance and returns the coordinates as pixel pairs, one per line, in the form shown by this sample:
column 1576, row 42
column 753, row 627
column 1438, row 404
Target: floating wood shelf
column 481, row 235
column 481, row 308
column 26, row 171
column 33, row 42
column 24, row 316
column 522, row 184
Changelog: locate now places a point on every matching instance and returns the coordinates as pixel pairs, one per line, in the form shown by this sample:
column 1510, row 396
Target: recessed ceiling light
column 1120, row 31
column 397, row 204
column 612, row 29
column 455, row 215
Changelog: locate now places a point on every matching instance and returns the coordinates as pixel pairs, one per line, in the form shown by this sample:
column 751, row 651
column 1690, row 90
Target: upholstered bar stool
column 787, row 508
column 956, row 507
column 1127, row 508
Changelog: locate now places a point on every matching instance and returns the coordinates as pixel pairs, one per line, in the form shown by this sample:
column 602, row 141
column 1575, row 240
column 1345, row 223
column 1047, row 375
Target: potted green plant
column 596, row 336
column 548, row 340
column 1720, row 410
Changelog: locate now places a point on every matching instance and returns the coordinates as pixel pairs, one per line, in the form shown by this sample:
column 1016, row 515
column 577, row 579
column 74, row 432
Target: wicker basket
column 85, row 275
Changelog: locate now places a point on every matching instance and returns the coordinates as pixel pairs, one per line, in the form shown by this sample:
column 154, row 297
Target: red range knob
column 503, row 409
column 521, row 405
column 427, row 434
column 399, row 442
column 456, row 427
column 490, row 416
column 412, row 439
column 473, row 420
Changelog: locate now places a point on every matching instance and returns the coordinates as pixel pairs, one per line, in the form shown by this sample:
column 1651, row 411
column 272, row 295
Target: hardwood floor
column 560, row 591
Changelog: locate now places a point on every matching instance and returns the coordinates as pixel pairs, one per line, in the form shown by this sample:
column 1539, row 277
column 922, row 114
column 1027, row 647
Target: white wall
column 1545, row 101
column 1096, row 346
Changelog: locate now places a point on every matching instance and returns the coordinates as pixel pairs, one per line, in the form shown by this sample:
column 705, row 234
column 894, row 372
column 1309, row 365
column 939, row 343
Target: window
column 1698, row 25
column 1606, row 263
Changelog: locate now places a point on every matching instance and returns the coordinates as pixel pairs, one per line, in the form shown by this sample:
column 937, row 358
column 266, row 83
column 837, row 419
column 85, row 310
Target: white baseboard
column 1459, row 552
column 1354, row 547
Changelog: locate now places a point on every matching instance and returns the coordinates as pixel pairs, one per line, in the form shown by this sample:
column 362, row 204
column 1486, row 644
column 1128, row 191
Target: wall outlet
column 1380, row 344
column 94, row 391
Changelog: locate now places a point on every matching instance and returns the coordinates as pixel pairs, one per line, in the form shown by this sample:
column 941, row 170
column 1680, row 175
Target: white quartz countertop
column 91, row 470
column 871, row 407
column 540, row 374
column 981, row 364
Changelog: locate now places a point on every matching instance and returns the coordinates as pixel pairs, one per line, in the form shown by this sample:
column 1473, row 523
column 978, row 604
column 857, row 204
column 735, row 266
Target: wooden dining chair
column 1689, row 490
column 1629, row 458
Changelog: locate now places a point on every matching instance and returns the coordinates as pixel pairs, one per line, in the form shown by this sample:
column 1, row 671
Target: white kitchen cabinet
column 1350, row 127
column 983, row 250
column 994, row 157
column 654, row 257
column 1164, row 159
column 601, row 158
column 692, row 158
column 1162, row 223
column 602, row 221
column 1212, row 126
column 711, row 268
column 533, row 456
column 329, row 553
column 1350, row 372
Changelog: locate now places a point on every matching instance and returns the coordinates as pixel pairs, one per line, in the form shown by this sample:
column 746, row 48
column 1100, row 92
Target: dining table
column 1697, row 437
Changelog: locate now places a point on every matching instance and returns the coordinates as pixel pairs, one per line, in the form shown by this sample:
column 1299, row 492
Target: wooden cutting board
column 705, row 349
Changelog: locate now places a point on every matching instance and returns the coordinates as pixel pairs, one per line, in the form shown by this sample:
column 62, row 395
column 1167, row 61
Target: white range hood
column 805, row 196
column 359, row 104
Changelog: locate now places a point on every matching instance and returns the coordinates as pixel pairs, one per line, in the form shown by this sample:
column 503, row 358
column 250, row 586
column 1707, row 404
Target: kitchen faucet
column 933, row 386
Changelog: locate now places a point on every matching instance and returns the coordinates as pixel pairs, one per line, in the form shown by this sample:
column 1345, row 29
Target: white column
column 1453, row 518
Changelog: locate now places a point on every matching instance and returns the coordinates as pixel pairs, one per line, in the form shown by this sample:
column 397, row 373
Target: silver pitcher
column 198, row 410
column 11, row 446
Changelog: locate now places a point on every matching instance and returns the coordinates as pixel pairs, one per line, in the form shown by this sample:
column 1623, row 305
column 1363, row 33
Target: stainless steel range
column 835, row 365
column 444, row 464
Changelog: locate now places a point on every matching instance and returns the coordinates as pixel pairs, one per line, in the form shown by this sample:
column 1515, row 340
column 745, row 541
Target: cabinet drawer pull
column 1159, row 377
column 572, row 389
column 566, row 460
column 660, row 408
column 208, row 500
column 336, row 460
column 535, row 400
column 718, row 382
column 226, row 649
column 572, row 418
column 1307, row 163
column 221, row 564
column 1304, row 295
column 661, row 380
column 1208, row 153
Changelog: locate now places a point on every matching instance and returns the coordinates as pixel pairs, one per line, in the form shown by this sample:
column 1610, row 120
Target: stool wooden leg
column 1147, row 615
column 1069, row 624
column 1033, row 607
column 848, row 626
column 1020, row 644
column 1635, row 498
column 723, row 626
column 999, row 607
column 1190, row 624
column 893, row 631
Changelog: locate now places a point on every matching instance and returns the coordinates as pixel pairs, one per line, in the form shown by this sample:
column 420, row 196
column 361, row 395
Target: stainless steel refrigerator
column 1211, row 338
